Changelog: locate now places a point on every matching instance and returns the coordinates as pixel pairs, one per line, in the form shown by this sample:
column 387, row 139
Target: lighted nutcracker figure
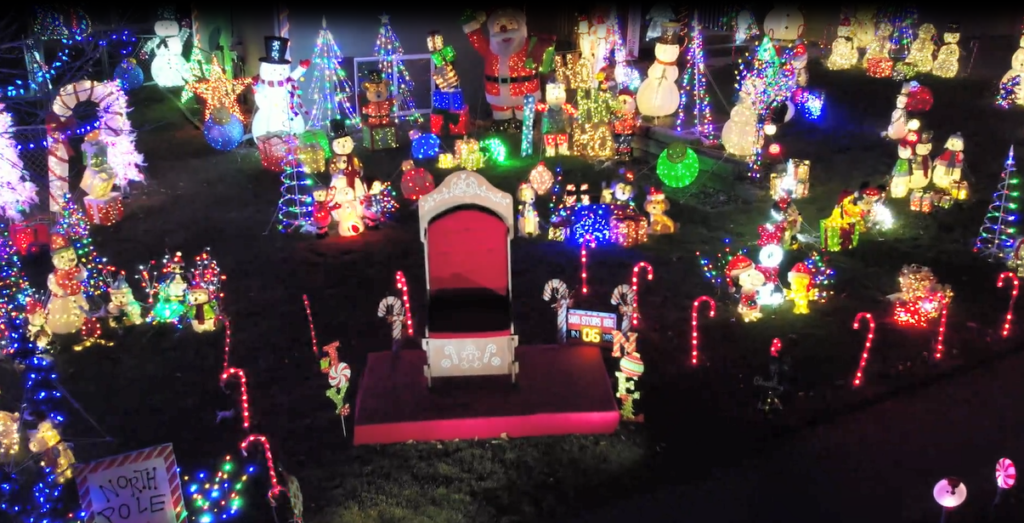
column 512, row 61
column 202, row 309
column 449, row 113
column 378, row 113
column 624, row 123
column 66, row 310
column 557, row 120
column 323, row 206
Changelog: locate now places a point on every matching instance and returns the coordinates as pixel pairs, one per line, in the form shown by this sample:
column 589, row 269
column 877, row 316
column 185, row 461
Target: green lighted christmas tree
column 198, row 69
column 14, row 291
column 72, row 225
column 999, row 232
column 331, row 91
column 389, row 55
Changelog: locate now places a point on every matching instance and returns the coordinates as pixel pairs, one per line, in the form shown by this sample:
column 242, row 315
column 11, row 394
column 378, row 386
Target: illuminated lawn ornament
column 693, row 323
column 867, row 344
column 556, row 292
column 218, row 497
column 1013, row 299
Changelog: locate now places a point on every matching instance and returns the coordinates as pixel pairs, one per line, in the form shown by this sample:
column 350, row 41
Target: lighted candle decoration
column 404, row 287
column 1013, row 298
column 867, row 344
column 238, row 374
column 556, row 292
column 635, row 318
column 275, row 488
column 693, row 322
column 218, row 496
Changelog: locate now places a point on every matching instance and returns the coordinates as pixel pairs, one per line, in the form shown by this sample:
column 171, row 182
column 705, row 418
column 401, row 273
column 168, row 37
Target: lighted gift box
column 29, row 236
column 837, row 235
column 446, row 122
column 104, row 211
column 800, row 170
column 556, row 233
column 921, row 201
column 447, row 100
column 472, row 160
column 629, row 229
column 879, row 67
column 312, row 158
column 277, row 151
column 942, row 199
column 380, row 137
column 446, row 161
column 958, row 189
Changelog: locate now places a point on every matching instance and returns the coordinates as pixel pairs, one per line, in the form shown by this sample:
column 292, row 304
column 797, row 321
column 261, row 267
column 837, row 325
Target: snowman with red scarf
column 511, row 62
column 276, row 92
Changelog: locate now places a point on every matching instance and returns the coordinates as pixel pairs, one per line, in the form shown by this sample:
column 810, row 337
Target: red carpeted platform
column 560, row 390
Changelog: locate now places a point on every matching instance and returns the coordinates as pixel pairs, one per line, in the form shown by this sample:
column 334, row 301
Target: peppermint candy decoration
column 1006, row 473
column 339, row 375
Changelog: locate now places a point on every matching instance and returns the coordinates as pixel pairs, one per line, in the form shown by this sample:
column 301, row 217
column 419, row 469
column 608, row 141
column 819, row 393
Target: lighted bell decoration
column 678, row 165
column 541, row 179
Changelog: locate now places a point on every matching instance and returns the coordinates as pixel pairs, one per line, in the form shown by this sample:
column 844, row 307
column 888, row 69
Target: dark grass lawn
column 157, row 385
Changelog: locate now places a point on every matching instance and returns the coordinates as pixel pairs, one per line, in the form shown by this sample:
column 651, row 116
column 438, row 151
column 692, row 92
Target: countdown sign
column 590, row 327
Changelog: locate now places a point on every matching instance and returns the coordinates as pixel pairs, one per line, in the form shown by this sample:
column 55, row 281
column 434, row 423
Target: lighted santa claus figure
column 512, row 61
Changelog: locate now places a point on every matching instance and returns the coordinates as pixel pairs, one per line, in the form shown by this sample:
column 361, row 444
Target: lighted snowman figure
column 739, row 134
column 950, row 493
column 799, row 62
column 948, row 63
column 746, row 26
column 276, row 92
column 897, row 128
column 658, row 94
column 784, row 23
column 922, row 51
column 169, row 68
column 1017, row 71
column 67, row 308
column 844, row 49
column 949, row 165
column 921, row 161
column 864, row 26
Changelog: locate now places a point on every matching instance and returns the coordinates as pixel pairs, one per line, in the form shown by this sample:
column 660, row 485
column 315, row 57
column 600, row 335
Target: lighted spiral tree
column 999, row 232
column 389, row 55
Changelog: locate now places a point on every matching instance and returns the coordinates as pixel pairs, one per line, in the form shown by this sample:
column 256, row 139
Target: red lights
column 693, row 322
column 867, row 344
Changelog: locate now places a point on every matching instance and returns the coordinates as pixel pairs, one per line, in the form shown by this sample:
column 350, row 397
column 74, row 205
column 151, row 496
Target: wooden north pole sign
column 138, row 487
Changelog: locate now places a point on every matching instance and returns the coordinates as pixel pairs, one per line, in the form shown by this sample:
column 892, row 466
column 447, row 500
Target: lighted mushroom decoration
column 416, row 181
column 678, row 165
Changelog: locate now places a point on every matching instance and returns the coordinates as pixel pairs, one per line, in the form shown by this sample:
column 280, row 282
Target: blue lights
column 586, row 222
column 426, row 146
column 810, row 103
column 224, row 137
column 447, row 100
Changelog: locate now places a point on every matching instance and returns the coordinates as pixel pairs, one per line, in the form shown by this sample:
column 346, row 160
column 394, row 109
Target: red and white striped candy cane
column 940, row 344
column 693, row 322
column 623, row 296
column 867, row 344
column 393, row 310
column 403, row 286
column 558, row 291
column 243, row 391
column 636, row 293
column 1013, row 298
column 275, row 488
column 58, row 148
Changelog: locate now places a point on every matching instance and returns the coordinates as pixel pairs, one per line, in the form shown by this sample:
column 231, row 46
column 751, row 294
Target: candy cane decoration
column 867, row 344
column 243, row 390
column 776, row 347
column 275, row 487
column 404, row 287
column 636, row 290
column 1006, row 474
column 558, row 291
column 583, row 261
column 1013, row 298
column 394, row 311
column 312, row 330
column 693, row 322
column 940, row 346
column 57, row 130
column 227, row 341
column 624, row 296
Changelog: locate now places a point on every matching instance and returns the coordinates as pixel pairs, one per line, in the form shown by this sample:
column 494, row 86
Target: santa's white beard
column 512, row 46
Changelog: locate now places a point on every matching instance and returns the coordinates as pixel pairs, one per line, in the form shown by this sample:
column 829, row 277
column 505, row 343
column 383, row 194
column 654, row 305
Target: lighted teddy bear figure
column 169, row 68
column 511, row 62
column 949, row 165
column 864, row 25
column 276, row 92
column 528, row 221
column 750, row 280
column 123, row 309
column 556, row 121
column 67, row 307
column 878, row 52
column 658, row 94
column 656, row 205
column 55, row 454
column 801, row 290
column 202, row 309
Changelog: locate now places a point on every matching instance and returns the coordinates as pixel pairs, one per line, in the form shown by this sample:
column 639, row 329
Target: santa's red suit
column 508, row 79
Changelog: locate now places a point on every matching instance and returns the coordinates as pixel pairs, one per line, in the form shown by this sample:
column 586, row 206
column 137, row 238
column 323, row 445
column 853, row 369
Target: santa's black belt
column 510, row 80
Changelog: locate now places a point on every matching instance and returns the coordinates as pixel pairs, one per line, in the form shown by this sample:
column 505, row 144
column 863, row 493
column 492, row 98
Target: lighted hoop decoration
column 693, row 322
column 1006, row 473
column 867, row 344
column 1013, row 298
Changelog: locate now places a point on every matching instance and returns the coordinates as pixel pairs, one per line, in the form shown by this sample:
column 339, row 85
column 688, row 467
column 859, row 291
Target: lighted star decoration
column 384, row 18
column 218, row 91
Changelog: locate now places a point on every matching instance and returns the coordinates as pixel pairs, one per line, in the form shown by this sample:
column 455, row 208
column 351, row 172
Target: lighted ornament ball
column 129, row 75
column 631, row 365
column 920, row 99
column 425, row 146
column 223, row 130
column 678, row 165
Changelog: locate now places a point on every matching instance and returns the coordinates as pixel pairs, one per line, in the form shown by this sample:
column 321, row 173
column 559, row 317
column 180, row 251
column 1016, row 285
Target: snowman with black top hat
column 276, row 91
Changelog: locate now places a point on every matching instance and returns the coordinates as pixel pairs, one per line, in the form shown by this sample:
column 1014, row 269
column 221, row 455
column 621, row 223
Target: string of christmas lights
column 1013, row 299
column 389, row 52
column 693, row 323
column 218, row 497
column 243, row 399
column 403, row 286
column 332, row 92
column 71, row 223
column 216, row 90
column 694, row 87
column 646, row 267
column 295, row 207
column 275, row 487
column 867, row 344
column 18, row 192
